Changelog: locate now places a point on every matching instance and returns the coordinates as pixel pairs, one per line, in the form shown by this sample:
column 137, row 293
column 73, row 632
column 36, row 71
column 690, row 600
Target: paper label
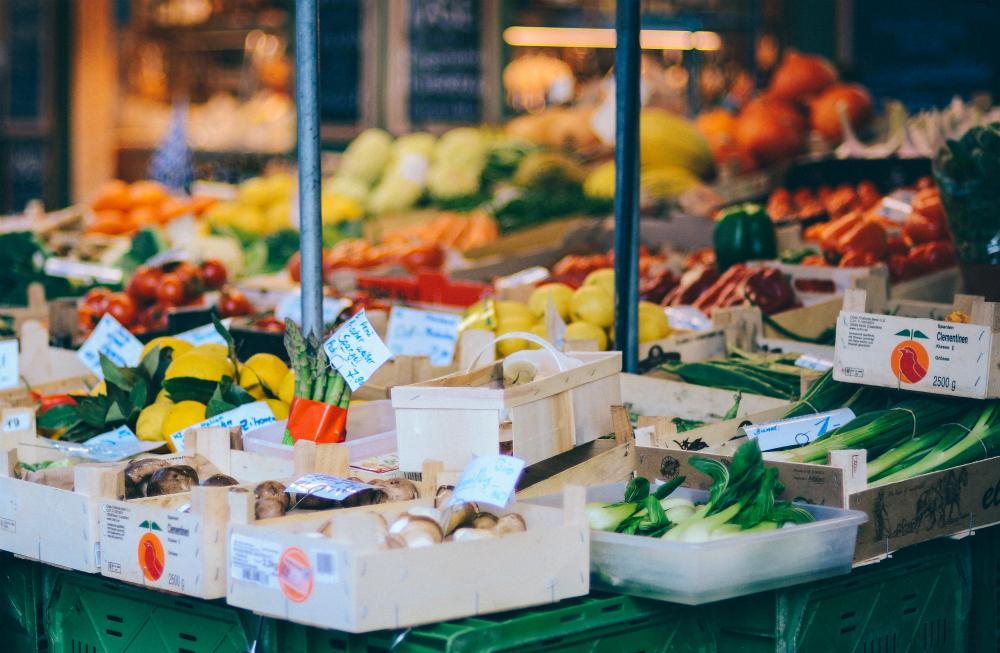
column 913, row 354
column 89, row 272
column 248, row 416
column 291, row 307
column 108, row 447
column 17, row 422
column 324, row 564
column 555, row 328
column 688, row 318
column 797, row 431
column 488, row 479
column 356, row 351
column 326, row 487
column 252, row 560
column 413, row 167
column 205, row 334
column 896, row 206
column 813, row 363
column 524, row 277
column 9, row 374
column 423, row 333
column 114, row 341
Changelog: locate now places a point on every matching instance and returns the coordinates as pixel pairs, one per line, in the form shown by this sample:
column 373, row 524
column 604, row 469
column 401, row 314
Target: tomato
column 868, row 195
column 270, row 323
column 857, row 259
column 294, row 267
column 898, row 246
column 233, row 303
column 98, row 298
column 153, row 318
column 171, row 290
column 928, row 203
column 213, row 274
column 921, row 228
column 933, row 256
column 352, row 253
column 122, row 308
column 143, row 284
column 422, row 257
column 902, row 268
column 864, row 236
column 188, row 273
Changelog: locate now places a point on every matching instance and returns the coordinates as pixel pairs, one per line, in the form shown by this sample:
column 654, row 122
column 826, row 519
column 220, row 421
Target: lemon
column 99, row 389
column 181, row 416
column 605, row 278
column 278, row 216
column 200, row 366
column 256, row 191
column 250, row 218
column 561, row 295
column 212, row 349
column 540, row 331
column 162, row 395
column 587, row 331
column 508, row 309
column 286, row 391
column 268, row 368
column 593, row 304
column 278, row 407
column 179, row 346
column 150, row 424
column 250, row 383
column 653, row 323
column 509, row 346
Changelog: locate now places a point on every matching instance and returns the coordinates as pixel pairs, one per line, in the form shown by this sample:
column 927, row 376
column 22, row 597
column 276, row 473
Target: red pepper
column 857, row 260
column 715, row 292
column 769, row 289
column 866, row 236
column 779, row 205
column 927, row 202
column 868, row 195
column 933, row 256
column 835, row 229
column 841, row 201
column 693, row 283
column 656, row 288
column 898, row 246
column 51, row 401
column 920, row 228
column 902, row 268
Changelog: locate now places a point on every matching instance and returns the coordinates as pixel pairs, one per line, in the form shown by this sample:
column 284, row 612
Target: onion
column 823, row 109
column 770, row 131
column 801, row 76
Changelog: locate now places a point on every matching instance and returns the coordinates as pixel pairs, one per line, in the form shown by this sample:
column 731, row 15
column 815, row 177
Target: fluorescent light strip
column 581, row 37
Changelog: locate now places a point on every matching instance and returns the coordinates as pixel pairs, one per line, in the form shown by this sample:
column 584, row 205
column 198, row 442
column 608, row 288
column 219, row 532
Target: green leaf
column 785, row 511
column 150, row 362
column 228, row 337
column 58, row 417
column 80, row 432
column 732, row 412
column 237, row 396
column 904, row 332
column 637, row 490
column 92, row 410
column 115, row 414
column 137, row 398
column 186, row 388
column 715, row 469
column 217, row 405
column 657, row 517
column 121, row 377
column 918, row 334
column 747, row 457
column 667, row 488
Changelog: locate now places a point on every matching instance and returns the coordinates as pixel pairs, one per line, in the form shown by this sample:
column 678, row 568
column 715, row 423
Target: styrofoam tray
column 694, row 574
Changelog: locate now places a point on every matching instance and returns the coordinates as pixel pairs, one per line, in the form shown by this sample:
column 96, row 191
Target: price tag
column 9, row 374
column 17, row 422
column 248, row 416
column 291, row 307
column 108, row 447
column 114, row 341
column 88, row 272
column 488, row 479
column 522, row 278
column 356, row 350
column 327, row 487
column 688, row 318
column 813, row 363
column 797, row 431
column 205, row 334
column 896, row 206
column 423, row 333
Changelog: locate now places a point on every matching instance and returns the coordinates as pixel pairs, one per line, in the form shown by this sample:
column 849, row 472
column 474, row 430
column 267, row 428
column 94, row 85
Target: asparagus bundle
column 315, row 378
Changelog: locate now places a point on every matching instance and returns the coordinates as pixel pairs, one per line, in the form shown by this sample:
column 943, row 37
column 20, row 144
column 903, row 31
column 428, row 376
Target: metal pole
column 627, row 22
column 310, row 235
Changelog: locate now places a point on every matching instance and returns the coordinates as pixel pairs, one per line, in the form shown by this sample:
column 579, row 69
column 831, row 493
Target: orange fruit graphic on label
column 295, row 575
column 151, row 557
column 909, row 361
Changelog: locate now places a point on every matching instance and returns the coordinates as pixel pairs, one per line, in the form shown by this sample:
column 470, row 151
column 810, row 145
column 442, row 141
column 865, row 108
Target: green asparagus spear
column 345, row 398
column 334, row 388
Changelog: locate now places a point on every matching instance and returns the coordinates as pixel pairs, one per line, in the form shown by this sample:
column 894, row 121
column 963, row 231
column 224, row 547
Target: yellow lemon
column 150, row 424
column 210, row 348
column 653, row 323
column 286, row 391
column 561, row 295
column 508, row 309
column 278, row 216
column 605, row 278
column 200, row 366
column 250, row 383
column 587, row 331
column 179, row 346
column 99, row 389
column 256, row 191
column 162, row 395
column 269, row 368
column 593, row 304
column 509, row 346
column 540, row 331
column 181, row 416
column 278, row 407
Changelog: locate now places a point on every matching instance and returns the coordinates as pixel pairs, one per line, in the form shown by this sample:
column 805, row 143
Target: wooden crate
column 691, row 345
column 344, row 583
column 652, row 396
column 458, row 417
column 961, row 360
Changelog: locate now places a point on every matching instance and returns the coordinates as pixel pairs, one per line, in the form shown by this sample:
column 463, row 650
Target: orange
column 143, row 215
column 147, row 193
column 112, row 223
column 199, row 203
column 172, row 208
column 112, row 196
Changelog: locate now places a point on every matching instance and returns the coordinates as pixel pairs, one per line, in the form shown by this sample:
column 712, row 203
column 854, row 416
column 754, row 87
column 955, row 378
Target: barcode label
column 252, row 560
column 325, row 564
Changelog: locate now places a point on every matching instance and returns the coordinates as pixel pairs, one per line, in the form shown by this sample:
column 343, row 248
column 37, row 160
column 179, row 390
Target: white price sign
column 423, row 333
column 114, row 341
column 9, row 373
column 356, row 350
column 797, row 431
column 205, row 334
column 109, row 447
column 248, row 416
column 488, row 479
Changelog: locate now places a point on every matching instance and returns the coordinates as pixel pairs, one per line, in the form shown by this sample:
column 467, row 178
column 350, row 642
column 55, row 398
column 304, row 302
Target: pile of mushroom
column 153, row 477
column 273, row 501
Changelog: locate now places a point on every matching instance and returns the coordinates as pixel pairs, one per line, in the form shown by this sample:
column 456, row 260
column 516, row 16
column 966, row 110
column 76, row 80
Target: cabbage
column 350, row 187
column 394, row 193
column 367, row 155
column 416, row 143
column 449, row 181
column 465, row 147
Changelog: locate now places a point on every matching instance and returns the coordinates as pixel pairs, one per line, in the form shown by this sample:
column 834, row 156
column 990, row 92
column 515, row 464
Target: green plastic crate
column 20, row 606
column 984, row 619
column 599, row 623
column 91, row 614
column 915, row 602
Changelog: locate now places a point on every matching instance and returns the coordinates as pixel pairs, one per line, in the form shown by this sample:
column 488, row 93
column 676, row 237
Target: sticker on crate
column 911, row 354
column 254, row 560
column 114, row 341
column 167, row 551
column 356, row 351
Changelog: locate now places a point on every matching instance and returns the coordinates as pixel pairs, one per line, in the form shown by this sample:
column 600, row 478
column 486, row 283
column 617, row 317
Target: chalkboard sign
column 339, row 60
column 924, row 52
column 445, row 61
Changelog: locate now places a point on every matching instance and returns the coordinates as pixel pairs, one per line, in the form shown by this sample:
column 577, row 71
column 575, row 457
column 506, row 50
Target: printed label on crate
column 378, row 464
column 108, row 447
column 89, row 272
column 356, row 351
column 291, row 307
column 114, row 341
column 487, row 479
column 249, row 417
column 813, row 363
column 523, row 278
column 164, row 550
column 252, row 560
column 9, row 374
column 687, row 318
column 205, row 334
column 423, row 333
column 913, row 354
column 295, row 574
column 797, row 431
column 325, row 565
column 896, row 206
column 17, row 421
column 326, row 487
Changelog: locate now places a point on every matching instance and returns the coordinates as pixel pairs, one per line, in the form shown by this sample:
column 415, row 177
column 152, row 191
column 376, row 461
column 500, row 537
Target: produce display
column 320, row 395
column 120, row 208
column 770, row 375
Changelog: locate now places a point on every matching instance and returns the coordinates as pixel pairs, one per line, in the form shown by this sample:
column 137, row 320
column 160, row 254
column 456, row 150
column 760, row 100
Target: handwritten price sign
column 423, row 333
column 8, row 364
column 114, row 341
column 356, row 350
column 488, row 479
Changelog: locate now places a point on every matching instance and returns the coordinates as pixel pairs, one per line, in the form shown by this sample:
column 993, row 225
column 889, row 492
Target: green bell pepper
column 743, row 232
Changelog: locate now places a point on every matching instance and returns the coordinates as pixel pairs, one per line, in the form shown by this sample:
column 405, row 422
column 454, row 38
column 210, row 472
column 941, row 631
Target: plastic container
column 599, row 623
column 20, row 605
column 984, row 618
column 694, row 574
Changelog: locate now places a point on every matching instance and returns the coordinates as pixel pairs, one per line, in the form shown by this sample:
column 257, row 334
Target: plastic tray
column 694, row 574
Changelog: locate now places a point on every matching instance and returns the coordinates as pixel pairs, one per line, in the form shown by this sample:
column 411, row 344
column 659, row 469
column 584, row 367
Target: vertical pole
column 310, row 234
column 753, row 31
column 627, row 22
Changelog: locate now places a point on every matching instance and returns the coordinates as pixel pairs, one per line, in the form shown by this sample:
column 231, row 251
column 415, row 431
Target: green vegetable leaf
column 58, row 417
column 747, row 457
column 637, row 490
column 150, row 362
column 228, row 337
column 715, row 469
column 234, row 394
column 114, row 414
column 186, row 388
column 667, row 488
column 80, row 432
column 656, row 517
column 217, row 405
column 732, row 412
column 786, row 511
column 92, row 410
column 137, row 398
column 122, row 377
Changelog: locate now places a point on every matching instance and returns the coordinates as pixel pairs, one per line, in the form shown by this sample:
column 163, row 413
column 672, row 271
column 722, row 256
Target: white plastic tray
column 694, row 574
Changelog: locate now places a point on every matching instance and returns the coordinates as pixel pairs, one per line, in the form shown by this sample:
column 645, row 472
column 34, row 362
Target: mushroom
column 268, row 508
column 485, row 520
column 416, row 531
column 466, row 534
column 457, row 517
column 442, row 495
column 171, row 480
column 238, row 489
column 137, row 474
column 400, row 489
column 271, row 490
column 366, row 497
column 510, row 523
column 219, row 480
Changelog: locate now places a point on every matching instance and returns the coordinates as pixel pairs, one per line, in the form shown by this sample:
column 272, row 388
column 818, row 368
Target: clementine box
column 939, row 357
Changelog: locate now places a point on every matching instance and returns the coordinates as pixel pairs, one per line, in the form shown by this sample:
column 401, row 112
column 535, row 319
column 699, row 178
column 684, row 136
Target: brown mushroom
column 485, row 520
column 171, row 480
column 459, row 516
column 219, row 480
column 238, row 489
column 400, row 489
column 137, row 473
column 442, row 495
column 467, row 534
column 268, row 508
column 272, row 490
column 416, row 531
column 511, row 523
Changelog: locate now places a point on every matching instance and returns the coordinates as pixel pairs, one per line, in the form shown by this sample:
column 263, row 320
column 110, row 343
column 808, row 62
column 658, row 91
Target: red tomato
column 933, row 256
column 51, row 401
column 294, row 267
column 270, row 323
column 928, row 203
column 213, row 274
column 233, row 303
column 898, row 246
column 858, row 259
column 421, row 257
column 92, row 308
column 143, row 284
column 189, row 275
column 171, row 290
column 902, row 268
column 97, row 298
column 153, row 318
column 122, row 308
column 919, row 229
